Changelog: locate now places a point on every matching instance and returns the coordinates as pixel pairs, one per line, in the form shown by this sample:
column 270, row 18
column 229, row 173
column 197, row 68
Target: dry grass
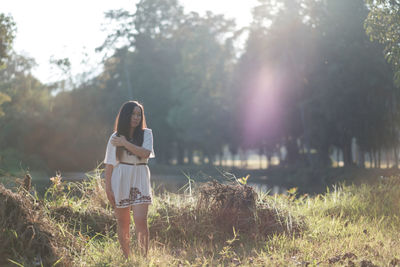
column 27, row 235
column 214, row 225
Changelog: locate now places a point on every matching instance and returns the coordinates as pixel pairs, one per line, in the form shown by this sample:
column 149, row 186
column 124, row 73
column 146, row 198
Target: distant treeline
column 308, row 79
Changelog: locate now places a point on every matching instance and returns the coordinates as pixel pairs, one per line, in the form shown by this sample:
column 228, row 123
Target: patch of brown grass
column 217, row 212
column 27, row 235
column 228, row 205
column 89, row 222
column 237, row 206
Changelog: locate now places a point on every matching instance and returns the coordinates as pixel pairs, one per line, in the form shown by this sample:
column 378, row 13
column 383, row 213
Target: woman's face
column 136, row 117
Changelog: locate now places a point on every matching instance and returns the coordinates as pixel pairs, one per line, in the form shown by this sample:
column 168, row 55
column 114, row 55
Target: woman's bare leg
column 142, row 231
column 123, row 221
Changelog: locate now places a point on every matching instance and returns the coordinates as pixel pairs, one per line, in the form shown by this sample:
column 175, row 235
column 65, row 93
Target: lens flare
column 263, row 107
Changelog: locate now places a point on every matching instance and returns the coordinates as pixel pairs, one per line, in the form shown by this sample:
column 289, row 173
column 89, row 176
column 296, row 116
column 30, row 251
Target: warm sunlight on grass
column 347, row 225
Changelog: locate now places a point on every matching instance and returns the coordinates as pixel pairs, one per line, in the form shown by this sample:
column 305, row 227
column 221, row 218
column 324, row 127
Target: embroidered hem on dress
column 135, row 197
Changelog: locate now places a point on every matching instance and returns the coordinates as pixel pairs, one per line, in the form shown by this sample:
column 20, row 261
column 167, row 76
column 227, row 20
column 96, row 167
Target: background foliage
column 313, row 77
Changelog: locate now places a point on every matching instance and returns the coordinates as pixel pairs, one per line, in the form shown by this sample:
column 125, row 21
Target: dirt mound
column 229, row 205
column 235, row 205
column 219, row 209
column 26, row 234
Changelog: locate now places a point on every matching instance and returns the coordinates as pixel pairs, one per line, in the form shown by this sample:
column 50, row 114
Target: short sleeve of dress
column 148, row 141
column 111, row 153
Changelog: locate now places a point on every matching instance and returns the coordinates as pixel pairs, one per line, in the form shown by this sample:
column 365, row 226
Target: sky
column 72, row 29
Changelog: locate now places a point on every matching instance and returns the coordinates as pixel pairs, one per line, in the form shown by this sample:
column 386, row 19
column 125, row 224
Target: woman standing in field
column 127, row 174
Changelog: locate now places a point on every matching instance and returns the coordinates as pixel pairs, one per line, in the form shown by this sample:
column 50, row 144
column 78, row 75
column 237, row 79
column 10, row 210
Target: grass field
column 208, row 225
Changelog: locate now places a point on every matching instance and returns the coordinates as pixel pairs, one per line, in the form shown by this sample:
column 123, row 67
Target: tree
column 7, row 35
column 307, row 74
column 200, row 83
column 354, row 76
column 383, row 25
column 23, row 127
column 273, row 73
column 181, row 59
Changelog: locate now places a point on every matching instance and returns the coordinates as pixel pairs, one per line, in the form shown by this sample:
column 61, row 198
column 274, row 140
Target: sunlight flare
column 262, row 117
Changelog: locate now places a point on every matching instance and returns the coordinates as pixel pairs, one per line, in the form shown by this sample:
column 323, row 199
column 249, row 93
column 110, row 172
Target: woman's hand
column 118, row 140
column 110, row 196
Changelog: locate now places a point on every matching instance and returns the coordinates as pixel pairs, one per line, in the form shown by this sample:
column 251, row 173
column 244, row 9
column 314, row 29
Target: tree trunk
column 373, row 158
column 307, row 145
column 292, row 149
column 280, row 154
column 347, row 155
column 243, row 159
column 361, row 162
column 190, row 155
column 165, row 157
column 324, row 157
column 370, row 159
column 387, row 158
column 180, row 154
column 337, row 157
column 211, row 158
column 396, row 158
column 379, row 158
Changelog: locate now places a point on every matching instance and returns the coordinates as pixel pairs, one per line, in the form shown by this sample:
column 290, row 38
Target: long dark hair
column 123, row 124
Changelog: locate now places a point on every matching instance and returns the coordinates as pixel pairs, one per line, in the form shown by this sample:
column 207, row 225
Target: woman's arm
column 108, row 174
column 137, row 150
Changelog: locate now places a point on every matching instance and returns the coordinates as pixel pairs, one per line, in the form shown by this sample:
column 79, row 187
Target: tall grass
column 219, row 225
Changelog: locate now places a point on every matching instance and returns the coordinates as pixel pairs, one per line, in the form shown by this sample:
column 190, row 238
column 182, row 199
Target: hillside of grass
column 209, row 224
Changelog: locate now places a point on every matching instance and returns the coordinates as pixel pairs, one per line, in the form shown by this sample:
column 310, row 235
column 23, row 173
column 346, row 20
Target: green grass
column 349, row 224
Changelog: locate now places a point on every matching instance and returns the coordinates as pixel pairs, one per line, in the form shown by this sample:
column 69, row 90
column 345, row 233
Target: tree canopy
column 308, row 81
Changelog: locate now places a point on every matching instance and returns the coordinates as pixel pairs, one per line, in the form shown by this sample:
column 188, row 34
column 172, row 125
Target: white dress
column 130, row 183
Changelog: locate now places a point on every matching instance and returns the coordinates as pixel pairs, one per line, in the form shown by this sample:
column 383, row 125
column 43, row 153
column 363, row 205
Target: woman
column 127, row 174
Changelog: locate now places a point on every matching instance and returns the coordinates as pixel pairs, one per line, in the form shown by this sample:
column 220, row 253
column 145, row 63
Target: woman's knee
column 141, row 223
column 123, row 217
